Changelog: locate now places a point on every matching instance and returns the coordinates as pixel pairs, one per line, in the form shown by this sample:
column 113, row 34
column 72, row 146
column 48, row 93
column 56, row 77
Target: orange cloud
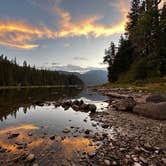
column 22, row 35
column 88, row 26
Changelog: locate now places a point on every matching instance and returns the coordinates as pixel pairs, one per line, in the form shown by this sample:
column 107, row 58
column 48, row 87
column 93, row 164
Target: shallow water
column 35, row 124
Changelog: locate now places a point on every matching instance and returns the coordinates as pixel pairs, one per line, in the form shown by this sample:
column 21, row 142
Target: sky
column 66, row 35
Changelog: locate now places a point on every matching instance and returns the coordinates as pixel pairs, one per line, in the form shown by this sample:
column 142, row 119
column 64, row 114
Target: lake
column 45, row 132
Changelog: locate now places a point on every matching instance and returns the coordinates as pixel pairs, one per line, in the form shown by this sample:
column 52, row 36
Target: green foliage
column 141, row 54
column 12, row 74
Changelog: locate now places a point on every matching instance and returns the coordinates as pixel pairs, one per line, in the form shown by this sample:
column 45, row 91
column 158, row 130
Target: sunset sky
column 61, row 34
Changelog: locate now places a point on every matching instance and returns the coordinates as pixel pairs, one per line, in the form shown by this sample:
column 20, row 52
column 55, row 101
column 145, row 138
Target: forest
column 11, row 74
column 141, row 53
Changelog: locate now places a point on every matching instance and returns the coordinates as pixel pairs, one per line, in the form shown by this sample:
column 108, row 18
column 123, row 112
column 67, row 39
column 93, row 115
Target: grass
column 146, row 87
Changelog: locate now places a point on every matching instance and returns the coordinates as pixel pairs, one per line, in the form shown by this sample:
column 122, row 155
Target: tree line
column 11, row 74
column 141, row 53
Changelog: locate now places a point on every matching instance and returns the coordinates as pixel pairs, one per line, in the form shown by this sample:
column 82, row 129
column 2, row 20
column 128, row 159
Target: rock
column 92, row 154
column 107, row 162
column 66, row 130
column 105, row 126
column 76, row 102
column 152, row 110
column 144, row 160
column 52, row 137
column 92, row 108
column 137, row 164
column 126, row 104
column 84, row 106
column 87, row 131
column 164, row 160
column 2, row 150
column 156, row 98
column 13, row 135
column 75, row 107
column 30, row 134
column 35, row 164
column 30, row 157
column 39, row 103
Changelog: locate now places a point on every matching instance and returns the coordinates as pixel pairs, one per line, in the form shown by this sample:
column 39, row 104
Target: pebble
column 91, row 154
column 13, row 135
column 164, row 160
column 107, row 162
column 30, row 157
column 66, row 130
column 137, row 164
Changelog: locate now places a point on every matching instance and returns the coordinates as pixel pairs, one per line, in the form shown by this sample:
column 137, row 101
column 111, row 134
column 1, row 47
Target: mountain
column 92, row 77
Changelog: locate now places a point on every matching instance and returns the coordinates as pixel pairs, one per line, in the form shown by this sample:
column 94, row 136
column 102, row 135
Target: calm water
column 16, row 108
column 19, row 114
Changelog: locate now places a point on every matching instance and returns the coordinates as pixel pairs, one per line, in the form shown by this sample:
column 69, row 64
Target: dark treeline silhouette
column 141, row 53
column 11, row 74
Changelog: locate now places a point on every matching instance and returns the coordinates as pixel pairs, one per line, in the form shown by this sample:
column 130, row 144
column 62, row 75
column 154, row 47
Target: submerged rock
column 13, row 135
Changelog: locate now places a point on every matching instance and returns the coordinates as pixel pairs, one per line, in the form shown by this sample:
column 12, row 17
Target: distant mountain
column 92, row 77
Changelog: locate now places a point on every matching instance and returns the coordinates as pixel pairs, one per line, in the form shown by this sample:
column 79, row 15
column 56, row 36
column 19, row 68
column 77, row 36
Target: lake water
column 35, row 124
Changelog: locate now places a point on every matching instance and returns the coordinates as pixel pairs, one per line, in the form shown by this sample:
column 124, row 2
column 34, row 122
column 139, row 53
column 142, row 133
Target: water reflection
column 11, row 100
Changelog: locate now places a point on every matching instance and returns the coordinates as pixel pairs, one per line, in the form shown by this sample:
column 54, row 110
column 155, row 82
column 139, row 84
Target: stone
column 107, row 162
column 13, row 135
column 30, row 157
column 2, row 150
column 156, row 98
column 92, row 108
column 126, row 104
column 66, row 130
column 35, row 164
column 105, row 126
column 92, row 154
column 152, row 110
column 87, row 131
column 52, row 137
column 75, row 107
column 164, row 161
column 137, row 164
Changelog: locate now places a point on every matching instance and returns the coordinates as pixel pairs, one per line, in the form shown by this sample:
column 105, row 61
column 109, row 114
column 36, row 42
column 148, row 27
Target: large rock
column 156, row 98
column 126, row 104
column 152, row 110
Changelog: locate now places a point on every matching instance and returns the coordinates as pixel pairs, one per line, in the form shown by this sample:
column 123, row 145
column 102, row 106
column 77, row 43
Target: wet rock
column 87, row 131
column 75, row 107
column 156, row 98
column 39, row 103
column 13, row 135
column 91, row 154
column 30, row 157
column 92, row 108
column 151, row 110
column 107, row 162
column 52, row 137
column 126, row 104
column 66, row 130
column 105, row 126
column 30, row 134
column 2, row 150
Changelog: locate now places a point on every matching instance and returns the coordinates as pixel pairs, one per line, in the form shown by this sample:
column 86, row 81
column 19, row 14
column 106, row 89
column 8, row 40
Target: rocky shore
column 132, row 133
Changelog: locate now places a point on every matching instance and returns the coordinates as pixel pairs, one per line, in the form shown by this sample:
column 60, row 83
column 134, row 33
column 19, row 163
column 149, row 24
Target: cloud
column 80, row 58
column 21, row 35
column 89, row 26
column 73, row 68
